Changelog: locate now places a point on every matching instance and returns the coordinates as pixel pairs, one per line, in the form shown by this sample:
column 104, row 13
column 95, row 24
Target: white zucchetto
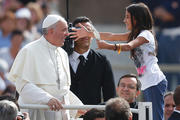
column 51, row 19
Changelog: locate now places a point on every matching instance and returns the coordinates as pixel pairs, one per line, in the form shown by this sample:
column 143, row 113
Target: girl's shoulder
column 147, row 34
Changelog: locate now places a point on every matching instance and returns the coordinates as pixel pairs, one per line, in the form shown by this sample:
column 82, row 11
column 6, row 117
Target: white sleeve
column 147, row 35
column 74, row 100
column 32, row 94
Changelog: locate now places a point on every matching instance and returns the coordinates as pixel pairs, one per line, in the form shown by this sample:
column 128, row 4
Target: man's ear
column 117, row 91
column 138, row 93
column 51, row 30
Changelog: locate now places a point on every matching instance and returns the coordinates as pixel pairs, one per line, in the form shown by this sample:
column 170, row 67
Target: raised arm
column 84, row 32
column 114, row 36
column 123, row 46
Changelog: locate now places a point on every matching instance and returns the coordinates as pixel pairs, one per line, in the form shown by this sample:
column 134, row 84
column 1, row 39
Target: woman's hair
column 141, row 19
column 37, row 9
column 8, row 15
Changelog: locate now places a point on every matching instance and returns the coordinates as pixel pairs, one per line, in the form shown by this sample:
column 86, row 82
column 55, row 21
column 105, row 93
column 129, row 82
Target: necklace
column 55, row 63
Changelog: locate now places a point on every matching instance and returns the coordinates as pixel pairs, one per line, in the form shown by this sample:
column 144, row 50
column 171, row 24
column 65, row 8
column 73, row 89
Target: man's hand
column 24, row 117
column 80, row 112
column 55, row 104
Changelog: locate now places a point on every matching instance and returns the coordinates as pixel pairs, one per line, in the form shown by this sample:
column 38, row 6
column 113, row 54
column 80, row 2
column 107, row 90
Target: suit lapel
column 72, row 71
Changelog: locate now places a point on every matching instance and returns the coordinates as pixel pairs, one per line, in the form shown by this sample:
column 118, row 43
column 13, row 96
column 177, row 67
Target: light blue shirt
column 5, row 41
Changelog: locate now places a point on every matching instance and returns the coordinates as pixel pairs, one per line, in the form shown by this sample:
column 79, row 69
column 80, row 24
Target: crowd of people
column 35, row 69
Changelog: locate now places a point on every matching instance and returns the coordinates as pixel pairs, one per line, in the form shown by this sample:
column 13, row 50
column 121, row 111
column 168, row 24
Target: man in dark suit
column 176, row 114
column 129, row 88
column 91, row 72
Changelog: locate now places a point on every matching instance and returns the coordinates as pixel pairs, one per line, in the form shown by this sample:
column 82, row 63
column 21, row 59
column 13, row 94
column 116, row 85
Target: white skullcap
column 23, row 13
column 51, row 19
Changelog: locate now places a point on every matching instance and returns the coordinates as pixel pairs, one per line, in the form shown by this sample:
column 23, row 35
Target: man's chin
column 125, row 96
column 61, row 44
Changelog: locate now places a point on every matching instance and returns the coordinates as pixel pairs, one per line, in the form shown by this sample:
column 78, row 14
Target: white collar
column 76, row 55
column 47, row 43
column 176, row 110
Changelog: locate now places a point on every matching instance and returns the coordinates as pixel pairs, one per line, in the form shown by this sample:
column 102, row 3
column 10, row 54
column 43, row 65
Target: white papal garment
column 34, row 72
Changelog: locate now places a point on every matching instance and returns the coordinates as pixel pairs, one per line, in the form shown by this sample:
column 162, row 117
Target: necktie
column 81, row 64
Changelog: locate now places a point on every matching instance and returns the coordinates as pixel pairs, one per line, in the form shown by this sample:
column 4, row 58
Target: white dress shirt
column 74, row 59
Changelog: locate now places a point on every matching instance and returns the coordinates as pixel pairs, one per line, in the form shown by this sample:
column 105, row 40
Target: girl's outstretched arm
column 84, row 32
column 122, row 46
column 114, row 36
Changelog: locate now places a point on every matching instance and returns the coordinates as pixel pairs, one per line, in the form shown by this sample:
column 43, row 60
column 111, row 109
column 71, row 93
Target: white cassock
column 35, row 72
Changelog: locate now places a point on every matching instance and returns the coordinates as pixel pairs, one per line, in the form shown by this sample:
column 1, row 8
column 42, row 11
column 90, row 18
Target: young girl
column 142, row 45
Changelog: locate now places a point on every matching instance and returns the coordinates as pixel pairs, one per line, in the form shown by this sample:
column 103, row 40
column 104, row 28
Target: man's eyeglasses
column 128, row 86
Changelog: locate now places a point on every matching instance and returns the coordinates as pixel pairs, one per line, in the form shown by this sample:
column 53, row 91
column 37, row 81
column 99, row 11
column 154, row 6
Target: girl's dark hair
column 141, row 19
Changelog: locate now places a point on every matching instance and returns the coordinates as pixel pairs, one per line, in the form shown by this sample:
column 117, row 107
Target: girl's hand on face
column 79, row 33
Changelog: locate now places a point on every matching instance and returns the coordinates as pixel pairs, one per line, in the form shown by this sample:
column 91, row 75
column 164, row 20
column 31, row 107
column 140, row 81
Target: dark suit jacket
column 134, row 105
column 97, row 74
column 175, row 116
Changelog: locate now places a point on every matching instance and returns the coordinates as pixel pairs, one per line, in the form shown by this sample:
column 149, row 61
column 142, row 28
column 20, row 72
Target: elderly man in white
column 41, row 72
